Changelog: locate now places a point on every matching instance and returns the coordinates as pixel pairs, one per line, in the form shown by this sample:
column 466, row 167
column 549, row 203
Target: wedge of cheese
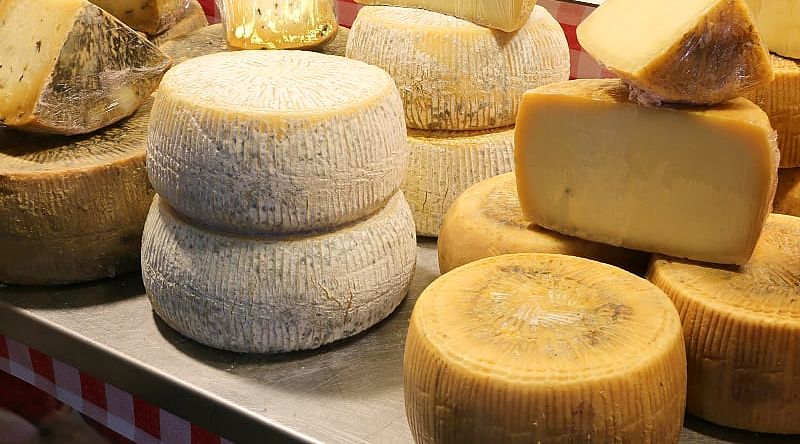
column 88, row 72
column 148, row 16
column 277, row 294
column 692, row 182
column 742, row 331
column 72, row 209
column 781, row 101
column 689, row 51
column 486, row 220
column 779, row 24
column 787, row 198
column 505, row 15
column 544, row 348
column 276, row 141
column 453, row 74
column 195, row 18
column 442, row 164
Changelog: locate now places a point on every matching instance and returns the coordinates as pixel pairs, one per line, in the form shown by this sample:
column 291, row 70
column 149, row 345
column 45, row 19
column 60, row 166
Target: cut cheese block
column 779, row 24
column 72, row 209
column 195, row 18
column 781, row 101
column 544, row 348
column 742, row 331
column 486, row 220
column 690, row 182
column 276, row 141
column 787, row 198
column 690, row 51
column 455, row 75
column 277, row 294
column 86, row 73
column 505, row 15
column 271, row 24
column 442, row 164
column 148, row 16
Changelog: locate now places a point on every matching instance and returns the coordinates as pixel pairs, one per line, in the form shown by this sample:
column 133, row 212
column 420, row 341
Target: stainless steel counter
column 348, row 392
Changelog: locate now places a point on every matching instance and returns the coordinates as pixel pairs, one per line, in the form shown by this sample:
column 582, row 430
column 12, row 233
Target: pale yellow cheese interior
column 779, row 24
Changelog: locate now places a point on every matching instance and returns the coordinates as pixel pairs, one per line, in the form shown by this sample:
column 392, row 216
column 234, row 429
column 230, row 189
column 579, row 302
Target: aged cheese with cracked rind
column 453, row 74
column 505, row 15
column 72, row 208
column 685, row 51
column 779, row 24
column 280, row 293
column 486, row 220
column 442, row 164
column 787, row 198
column 592, row 164
column 276, row 141
column 148, row 16
column 544, row 348
column 195, row 18
column 742, row 332
column 781, row 101
column 88, row 72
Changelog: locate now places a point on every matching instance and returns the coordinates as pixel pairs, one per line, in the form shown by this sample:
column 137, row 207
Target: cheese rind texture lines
column 505, row 15
column 779, row 24
column 544, row 348
column 74, row 208
column 742, row 332
column 455, row 75
column 592, row 164
column 89, row 72
column 277, row 294
column 195, row 18
column 299, row 142
column 486, row 220
column 684, row 51
column 787, row 198
column 442, row 164
column 148, row 16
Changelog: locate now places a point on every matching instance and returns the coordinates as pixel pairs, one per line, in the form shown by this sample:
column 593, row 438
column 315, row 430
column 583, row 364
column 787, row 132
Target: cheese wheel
column 148, row 16
column 742, row 331
column 544, row 348
column 453, row 74
column 276, row 141
column 787, row 197
column 505, row 15
column 486, row 220
column 277, row 294
column 72, row 209
column 442, row 164
column 195, row 18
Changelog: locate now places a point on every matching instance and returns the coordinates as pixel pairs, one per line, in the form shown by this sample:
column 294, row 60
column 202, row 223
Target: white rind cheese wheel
column 72, row 209
column 505, row 15
column 442, row 164
column 453, row 74
column 787, row 197
column 486, row 220
column 195, row 18
column 544, row 348
column 742, row 332
column 277, row 294
column 276, row 141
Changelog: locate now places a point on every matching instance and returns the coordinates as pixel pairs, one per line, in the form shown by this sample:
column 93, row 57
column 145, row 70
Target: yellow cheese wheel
column 787, row 197
column 742, row 332
column 544, row 348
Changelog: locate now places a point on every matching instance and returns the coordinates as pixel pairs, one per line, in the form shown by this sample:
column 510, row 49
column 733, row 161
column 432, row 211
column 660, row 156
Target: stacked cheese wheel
column 461, row 85
column 279, row 224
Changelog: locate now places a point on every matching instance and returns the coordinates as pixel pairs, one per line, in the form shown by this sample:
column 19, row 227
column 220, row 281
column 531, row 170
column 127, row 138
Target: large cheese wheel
column 544, row 348
column 72, row 208
column 442, row 164
column 277, row 294
column 486, row 220
column 787, row 197
column 456, row 75
column 195, row 18
column 742, row 331
column 276, row 141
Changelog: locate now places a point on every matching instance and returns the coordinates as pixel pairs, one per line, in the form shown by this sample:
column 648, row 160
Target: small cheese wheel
column 787, row 198
column 72, row 208
column 195, row 18
column 276, row 141
column 486, row 220
column 442, row 164
column 544, row 348
column 742, row 331
column 456, row 75
column 277, row 294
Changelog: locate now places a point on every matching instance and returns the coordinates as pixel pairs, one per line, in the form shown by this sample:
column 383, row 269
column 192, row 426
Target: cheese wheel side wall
column 787, row 197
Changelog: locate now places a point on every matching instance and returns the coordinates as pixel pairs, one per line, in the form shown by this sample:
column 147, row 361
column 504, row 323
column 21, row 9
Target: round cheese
column 787, row 197
column 276, row 141
column 456, row 75
column 72, row 208
column 442, row 164
column 486, row 220
column 544, row 348
column 742, row 331
column 277, row 294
